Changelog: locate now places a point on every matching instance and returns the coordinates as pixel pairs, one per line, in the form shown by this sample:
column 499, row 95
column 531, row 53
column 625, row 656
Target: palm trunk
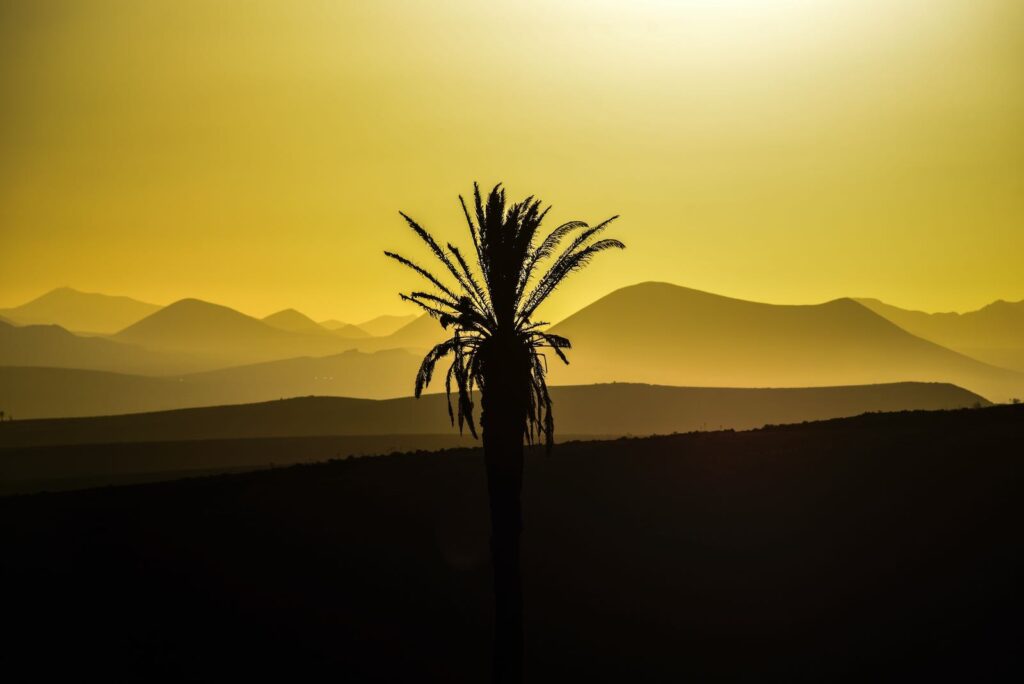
column 503, row 420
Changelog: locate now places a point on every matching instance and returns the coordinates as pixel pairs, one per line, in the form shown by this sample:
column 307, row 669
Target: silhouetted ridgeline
column 77, row 452
column 80, row 311
column 690, row 338
column 884, row 547
column 613, row 409
column 993, row 333
column 697, row 338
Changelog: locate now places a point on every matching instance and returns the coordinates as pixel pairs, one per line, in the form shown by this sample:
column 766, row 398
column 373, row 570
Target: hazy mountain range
column 88, row 312
column 656, row 332
column 994, row 333
column 199, row 353
column 80, row 311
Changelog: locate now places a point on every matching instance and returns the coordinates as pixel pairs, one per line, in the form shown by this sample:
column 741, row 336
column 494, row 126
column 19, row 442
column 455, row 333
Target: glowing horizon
column 790, row 152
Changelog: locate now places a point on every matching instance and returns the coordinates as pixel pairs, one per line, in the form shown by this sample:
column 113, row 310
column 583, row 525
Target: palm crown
column 490, row 308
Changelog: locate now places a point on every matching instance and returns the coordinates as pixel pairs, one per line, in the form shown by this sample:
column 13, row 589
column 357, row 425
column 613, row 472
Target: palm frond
column 426, row 371
column 481, row 296
column 423, row 272
column 565, row 265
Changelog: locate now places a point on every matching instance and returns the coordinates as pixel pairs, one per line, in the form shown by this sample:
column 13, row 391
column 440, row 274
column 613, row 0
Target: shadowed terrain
column 71, row 453
column 881, row 547
column 613, row 409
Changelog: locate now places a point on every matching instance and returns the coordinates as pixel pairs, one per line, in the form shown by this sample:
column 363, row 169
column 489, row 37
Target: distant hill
column 80, row 311
column 994, row 334
column 293, row 321
column 224, row 336
column 613, row 409
column 33, row 392
column 662, row 333
column 420, row 334
column 382, row 326
column 376, row 375
column 53, row 346
column 344, row 329
column 192, row 336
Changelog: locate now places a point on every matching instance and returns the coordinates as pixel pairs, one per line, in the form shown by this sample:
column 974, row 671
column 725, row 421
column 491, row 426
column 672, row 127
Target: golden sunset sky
column 256, row 153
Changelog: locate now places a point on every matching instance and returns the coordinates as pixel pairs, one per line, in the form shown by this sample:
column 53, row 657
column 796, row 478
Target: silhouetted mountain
column 994, row 334
column 224, row 336
column 884, row 547
column 614, row 409
column 52, row 392
column 377, row 375
column 420, row 334
column 80, row 311
column 53, row 346
column 382, row 326
column 293, row 321
column 346, row 330
column 656, row 332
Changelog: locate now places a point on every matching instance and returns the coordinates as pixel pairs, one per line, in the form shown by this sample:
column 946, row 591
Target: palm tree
column 497, row 347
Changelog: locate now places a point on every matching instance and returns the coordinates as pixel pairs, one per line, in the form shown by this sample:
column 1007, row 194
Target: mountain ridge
column 610, row 409
column 660, row 332
column 72, row 309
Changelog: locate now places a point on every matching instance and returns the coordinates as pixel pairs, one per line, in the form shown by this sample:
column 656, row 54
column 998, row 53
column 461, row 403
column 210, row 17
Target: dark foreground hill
column 70, row 453
column 30, row 392
column 883, row 548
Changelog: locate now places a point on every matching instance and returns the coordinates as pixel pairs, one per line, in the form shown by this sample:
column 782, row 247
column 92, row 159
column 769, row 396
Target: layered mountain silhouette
column 612, row 409
column 652, row 333
column 994, row 333
column 33, row 392
column 80, row 311
column 53, row 346
column 191, row 336
column 381, row 326
column 227, row 337
column 662, row 333
column 420, row 334
column 293, row 321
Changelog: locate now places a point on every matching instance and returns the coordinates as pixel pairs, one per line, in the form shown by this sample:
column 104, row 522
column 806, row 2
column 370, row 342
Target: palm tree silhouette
column 497, row 347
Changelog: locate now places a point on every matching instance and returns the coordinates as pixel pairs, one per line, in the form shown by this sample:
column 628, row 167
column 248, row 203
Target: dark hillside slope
column 883, row 548
column 614, row 410
column 74, row 453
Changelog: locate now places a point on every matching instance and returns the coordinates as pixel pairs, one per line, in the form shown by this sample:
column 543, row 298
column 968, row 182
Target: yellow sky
column 256, row 153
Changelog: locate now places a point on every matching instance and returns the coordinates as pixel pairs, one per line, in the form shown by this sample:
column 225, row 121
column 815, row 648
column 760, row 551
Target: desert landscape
column 512, row 342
